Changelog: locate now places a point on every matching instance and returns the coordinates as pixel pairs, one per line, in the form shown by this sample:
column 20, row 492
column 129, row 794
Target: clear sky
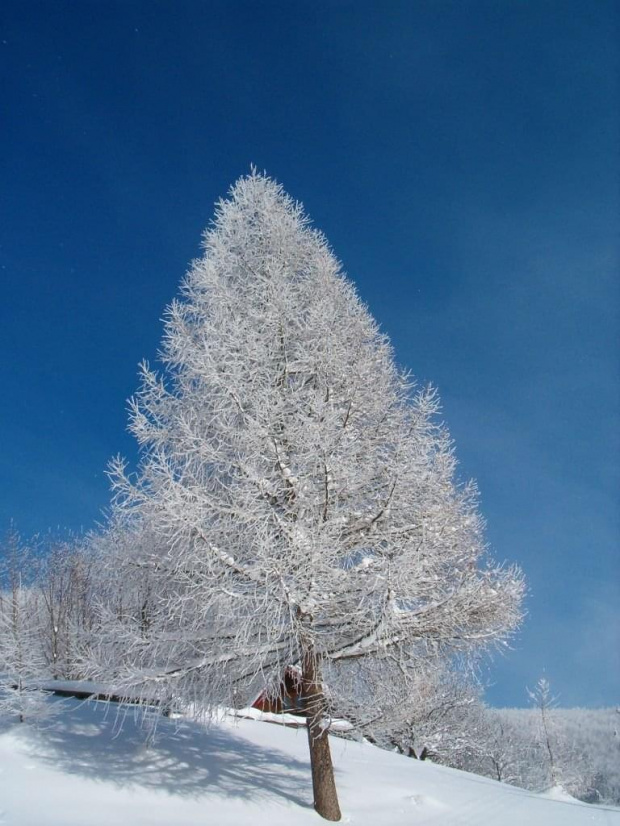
column 462, row 157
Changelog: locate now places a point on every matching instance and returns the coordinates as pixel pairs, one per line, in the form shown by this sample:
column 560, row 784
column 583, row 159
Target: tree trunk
column 323, row 784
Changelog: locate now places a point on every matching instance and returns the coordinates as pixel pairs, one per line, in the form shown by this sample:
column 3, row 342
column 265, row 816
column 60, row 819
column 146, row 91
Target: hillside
column 88, row 770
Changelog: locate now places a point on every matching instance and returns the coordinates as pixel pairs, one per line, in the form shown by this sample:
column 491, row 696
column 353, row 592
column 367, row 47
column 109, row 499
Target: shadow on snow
column 111, row 744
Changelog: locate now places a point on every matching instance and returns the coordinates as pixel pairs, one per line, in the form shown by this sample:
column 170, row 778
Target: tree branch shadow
column 110, row 744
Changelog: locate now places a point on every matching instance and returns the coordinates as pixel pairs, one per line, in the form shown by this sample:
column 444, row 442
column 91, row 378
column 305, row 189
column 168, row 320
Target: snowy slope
column 82, row 769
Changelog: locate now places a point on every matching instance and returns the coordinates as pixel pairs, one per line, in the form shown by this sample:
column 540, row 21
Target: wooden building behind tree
column 285, row 698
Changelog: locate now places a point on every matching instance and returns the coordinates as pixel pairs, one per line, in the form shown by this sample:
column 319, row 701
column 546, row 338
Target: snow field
column 92, row 766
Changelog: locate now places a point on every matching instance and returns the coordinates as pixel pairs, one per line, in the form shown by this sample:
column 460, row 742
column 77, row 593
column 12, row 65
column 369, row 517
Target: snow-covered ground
column 83, row 769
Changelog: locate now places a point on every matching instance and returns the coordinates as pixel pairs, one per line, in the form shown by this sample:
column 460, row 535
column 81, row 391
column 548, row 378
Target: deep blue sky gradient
column 463, row 160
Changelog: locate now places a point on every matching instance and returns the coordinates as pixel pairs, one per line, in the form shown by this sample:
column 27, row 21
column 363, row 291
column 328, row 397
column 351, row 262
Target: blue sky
column 463, row 160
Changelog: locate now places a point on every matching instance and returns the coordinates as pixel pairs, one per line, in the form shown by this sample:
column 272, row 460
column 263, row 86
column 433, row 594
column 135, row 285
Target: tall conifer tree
column 302, row 489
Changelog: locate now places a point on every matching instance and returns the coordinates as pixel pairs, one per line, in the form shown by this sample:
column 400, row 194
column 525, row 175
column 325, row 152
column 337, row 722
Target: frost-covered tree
column 432, row 713
column 128, row 561
column 302, row 489
column 544, row 701
column 22, row 662
column 499, row 748
column 64, row 604
column 560, row 759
